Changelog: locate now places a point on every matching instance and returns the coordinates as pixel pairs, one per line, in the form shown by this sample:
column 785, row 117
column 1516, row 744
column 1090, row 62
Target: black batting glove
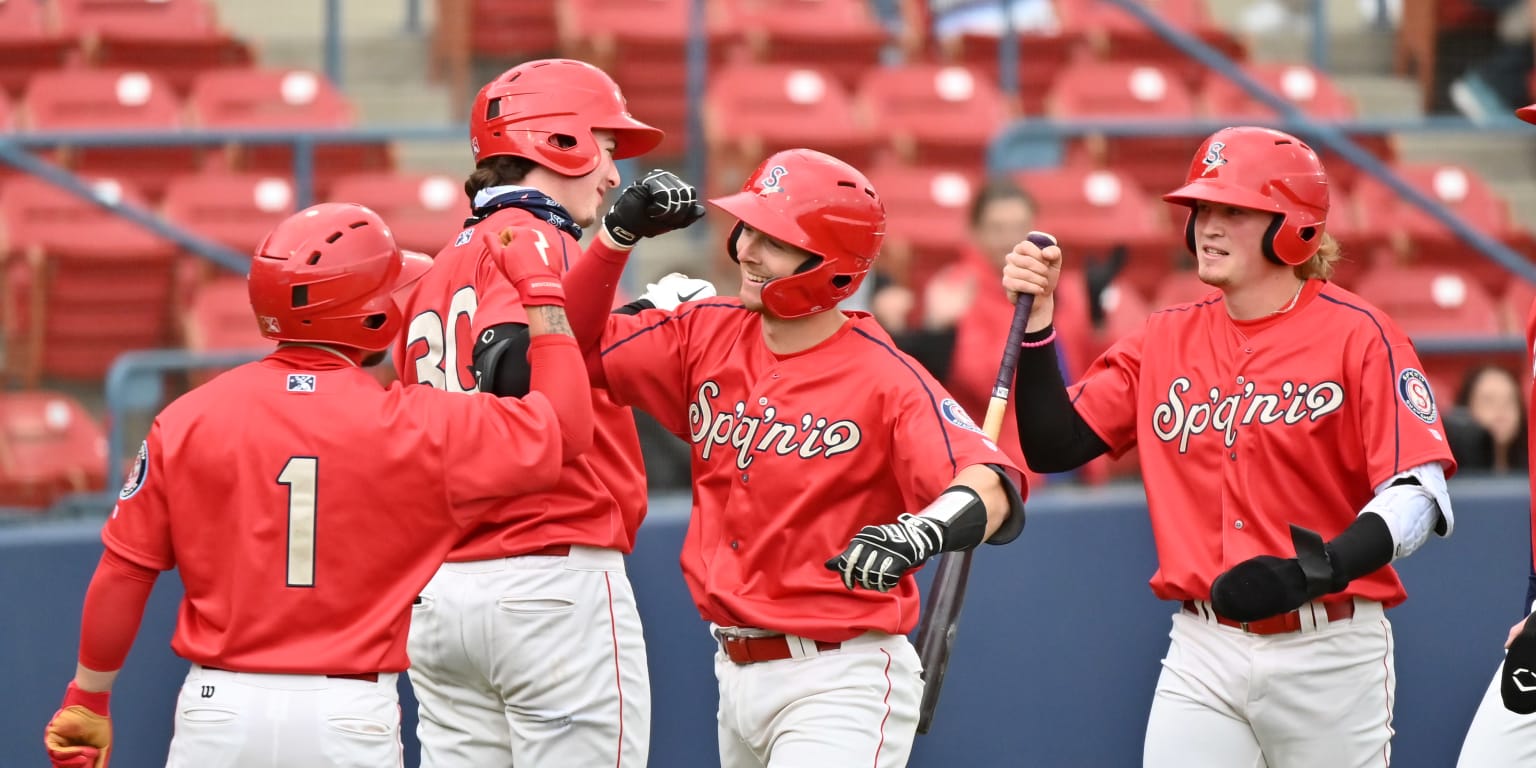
column 1266, row 586
column 653, row 205
column 1517, row 680
column 879, row 555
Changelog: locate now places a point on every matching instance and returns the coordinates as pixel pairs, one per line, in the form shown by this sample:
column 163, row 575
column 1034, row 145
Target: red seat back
column 935, row 115
column 424, row 211
column 49, row 446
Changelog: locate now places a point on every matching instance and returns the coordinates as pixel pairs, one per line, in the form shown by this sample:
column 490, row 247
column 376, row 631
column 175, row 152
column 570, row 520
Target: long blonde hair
column 1321, row 264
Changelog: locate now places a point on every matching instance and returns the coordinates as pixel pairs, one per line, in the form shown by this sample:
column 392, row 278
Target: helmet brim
column 413, row 267
column 1527, row 113
column 749, row 208
column 1213, row 191
column 632, row 138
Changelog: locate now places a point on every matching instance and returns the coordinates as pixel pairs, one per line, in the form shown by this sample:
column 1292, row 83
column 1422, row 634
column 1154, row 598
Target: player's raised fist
column 518, row 254
column 1033, row 267
column 655, row 204
column 80, row 733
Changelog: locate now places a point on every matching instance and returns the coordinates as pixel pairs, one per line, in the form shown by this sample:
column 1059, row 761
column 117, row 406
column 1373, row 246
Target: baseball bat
column 940, row 620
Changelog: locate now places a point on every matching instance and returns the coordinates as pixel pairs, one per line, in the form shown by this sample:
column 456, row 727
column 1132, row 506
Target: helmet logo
column 770, row 180
column 474, row 145
column 1213, row 157
column 270, row 324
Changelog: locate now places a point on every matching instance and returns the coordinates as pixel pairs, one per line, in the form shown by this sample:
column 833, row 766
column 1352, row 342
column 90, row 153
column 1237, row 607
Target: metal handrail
column 132, row 372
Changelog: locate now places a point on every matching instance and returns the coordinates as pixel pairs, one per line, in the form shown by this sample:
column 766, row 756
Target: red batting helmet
column 546, row 110
column 1266, row 170
column 821, row 204
column 328, row 275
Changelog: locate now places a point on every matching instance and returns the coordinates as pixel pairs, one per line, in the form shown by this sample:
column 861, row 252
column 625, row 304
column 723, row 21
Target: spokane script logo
column 1177, row 420
column 807, row 437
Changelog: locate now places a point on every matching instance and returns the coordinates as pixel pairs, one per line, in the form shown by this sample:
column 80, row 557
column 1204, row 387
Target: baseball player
column 526, row 647
column 1503, row 732
column 808, row 427
column 305, row 505
column 1291, row 450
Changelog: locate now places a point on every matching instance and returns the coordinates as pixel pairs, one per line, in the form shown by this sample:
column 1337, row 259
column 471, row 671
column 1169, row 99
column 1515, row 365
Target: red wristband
column 95, row 701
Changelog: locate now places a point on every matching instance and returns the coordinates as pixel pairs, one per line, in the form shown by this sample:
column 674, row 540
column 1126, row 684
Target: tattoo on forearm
column 553, row 318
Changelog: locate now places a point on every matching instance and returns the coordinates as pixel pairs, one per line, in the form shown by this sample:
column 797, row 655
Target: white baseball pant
column 1498, row 738
column 249, row 720
column 1319, row 696
column 856, row 705
column 531, row 661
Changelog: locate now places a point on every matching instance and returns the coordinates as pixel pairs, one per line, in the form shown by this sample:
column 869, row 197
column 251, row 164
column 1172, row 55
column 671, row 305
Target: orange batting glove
column 80, row 733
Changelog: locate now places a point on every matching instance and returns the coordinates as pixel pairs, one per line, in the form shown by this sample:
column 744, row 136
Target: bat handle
column 1016, row 329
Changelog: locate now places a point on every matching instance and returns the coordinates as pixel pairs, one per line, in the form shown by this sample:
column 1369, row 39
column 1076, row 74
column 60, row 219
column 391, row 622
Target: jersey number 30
column 301, row 474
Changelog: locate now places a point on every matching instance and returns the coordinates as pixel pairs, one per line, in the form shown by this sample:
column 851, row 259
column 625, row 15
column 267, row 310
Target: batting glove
column 879, row 555
column 80, row 733
column 1266, row 586
column 526, row 266
column 1517, row 681
column 676, row 288
column 654, row 205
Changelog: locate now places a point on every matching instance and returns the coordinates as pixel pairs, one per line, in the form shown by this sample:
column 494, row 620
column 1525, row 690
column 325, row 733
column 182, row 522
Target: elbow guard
column 1413, row 504
column 501, row 360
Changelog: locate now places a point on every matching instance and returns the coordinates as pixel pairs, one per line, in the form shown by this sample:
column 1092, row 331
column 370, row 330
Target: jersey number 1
column 301, row 474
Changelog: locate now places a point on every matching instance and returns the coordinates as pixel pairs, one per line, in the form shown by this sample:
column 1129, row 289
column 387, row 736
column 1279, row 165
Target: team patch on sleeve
column 1414, row 390
column 137, row 474
column 957, row 416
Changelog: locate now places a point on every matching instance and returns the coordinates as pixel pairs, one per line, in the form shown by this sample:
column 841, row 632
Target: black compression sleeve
column 1362, row 548
column 501, row 360
column 1052, row 433
column 935, row 350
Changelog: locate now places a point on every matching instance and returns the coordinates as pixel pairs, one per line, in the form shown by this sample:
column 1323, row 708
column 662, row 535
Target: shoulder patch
column 138, row 474
column 464, row 237
column 1413, row 390
column 957, row 416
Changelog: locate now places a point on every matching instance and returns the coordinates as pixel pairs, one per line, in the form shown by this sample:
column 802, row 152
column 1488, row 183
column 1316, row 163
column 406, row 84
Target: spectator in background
column 1487, row 427
column 1496, row 78
column 947, row 18
column 964, row 325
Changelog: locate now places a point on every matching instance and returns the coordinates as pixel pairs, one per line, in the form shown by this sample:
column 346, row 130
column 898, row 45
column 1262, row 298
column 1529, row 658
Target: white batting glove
column 676, row 288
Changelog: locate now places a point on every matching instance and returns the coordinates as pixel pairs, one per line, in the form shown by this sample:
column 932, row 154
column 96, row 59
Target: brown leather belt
column 1285, row 622
column 750, row 650
column 367, row 677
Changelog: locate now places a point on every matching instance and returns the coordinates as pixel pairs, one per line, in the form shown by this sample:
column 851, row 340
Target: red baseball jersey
column 1245, row 427
column 792, row 455
column 601, row 497
column 1530, row 437
column 305, row 505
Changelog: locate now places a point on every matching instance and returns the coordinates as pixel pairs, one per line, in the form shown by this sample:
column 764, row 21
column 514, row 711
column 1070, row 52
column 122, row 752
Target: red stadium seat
column 93, row 99
column 1132, row 92
column 283, row 99
column 175, row 39
column 83, row 284
column 1094, row 211
column 1181, row 286
column 1421, row 239
column 424, row 211
column 219, row 318
column 842, row 38
column 1428, row 302
column 935, row 115
column 234, row 210
column 49, row 446
column 752, row 111
column 643, row 44
column 1119, row 36
column 28, row 44
column 1041, row 58
column 511, row 30
column 926, row 212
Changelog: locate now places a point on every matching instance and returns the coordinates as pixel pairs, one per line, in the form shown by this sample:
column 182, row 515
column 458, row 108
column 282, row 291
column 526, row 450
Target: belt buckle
column 743, row 633
column 1243, row 625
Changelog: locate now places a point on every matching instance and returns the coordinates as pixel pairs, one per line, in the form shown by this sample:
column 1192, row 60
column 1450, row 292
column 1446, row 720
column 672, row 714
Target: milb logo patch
column 957, row 416
column 301, row 382
column 1414, row 390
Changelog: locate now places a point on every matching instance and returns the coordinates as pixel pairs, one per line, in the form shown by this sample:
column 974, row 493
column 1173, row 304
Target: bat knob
column 1041, row 239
